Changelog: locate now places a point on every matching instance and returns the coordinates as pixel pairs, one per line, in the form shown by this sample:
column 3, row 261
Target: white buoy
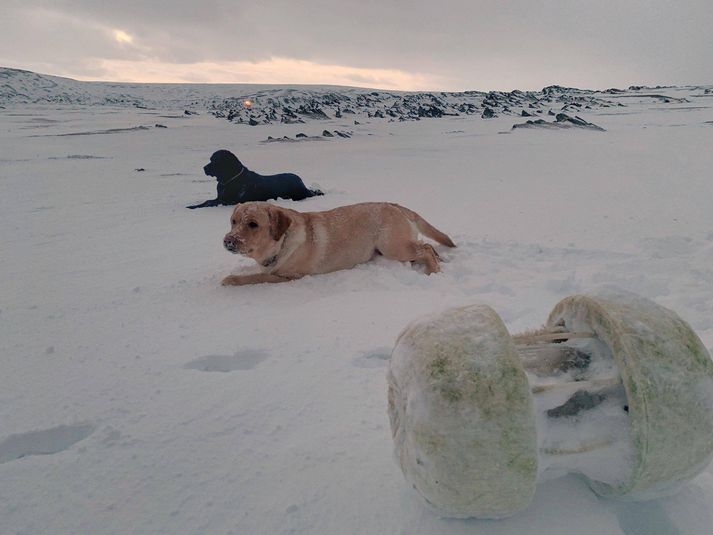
column 614, row 387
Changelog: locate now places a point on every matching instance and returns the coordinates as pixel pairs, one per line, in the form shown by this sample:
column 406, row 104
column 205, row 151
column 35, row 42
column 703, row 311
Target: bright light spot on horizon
column 247, row 103
column 123, row 37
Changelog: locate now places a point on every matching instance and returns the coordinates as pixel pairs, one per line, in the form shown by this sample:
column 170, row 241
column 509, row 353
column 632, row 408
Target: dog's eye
column 252, row 224
column 232, row 221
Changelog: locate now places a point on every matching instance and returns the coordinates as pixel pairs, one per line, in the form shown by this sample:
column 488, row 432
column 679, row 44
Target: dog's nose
column 231, row 243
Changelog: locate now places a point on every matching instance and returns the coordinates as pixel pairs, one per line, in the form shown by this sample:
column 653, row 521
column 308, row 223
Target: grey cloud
column 477, row 44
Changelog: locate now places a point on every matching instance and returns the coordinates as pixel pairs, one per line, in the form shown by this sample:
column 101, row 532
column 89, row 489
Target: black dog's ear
column 232, row 160
column 279, row 222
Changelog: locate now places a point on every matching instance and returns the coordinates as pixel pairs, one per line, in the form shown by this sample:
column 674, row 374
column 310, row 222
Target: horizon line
column 364, row 87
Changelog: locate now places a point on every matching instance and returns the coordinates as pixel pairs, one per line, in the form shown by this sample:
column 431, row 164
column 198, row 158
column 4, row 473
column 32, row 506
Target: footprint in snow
column 374, row 358
column 242, row 360
column 44, row 442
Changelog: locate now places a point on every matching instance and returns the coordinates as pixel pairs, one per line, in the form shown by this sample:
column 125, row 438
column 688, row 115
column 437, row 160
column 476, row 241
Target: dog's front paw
column 232, row 280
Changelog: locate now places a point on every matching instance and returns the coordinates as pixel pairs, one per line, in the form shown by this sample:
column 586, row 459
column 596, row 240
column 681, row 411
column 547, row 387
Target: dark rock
column 253, row 122
column 530, row 124
column 312, row 110
column 139, row 169
column 553, row 89
column 562, row 120
column 577, row 121
column 288, row 112
column 526, row 114
column 290, row 120
column 283, row 139
column 580, row 401
column 327, row 133
column 467, row 108
column 429, row 110
column 157, row 125
column 488, row 113
column 301, row 135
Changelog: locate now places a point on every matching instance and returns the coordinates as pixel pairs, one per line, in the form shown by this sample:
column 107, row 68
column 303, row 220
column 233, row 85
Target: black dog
column 236, row 183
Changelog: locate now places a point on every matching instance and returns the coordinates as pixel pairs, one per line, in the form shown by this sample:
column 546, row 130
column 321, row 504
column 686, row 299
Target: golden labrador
column 290, row 244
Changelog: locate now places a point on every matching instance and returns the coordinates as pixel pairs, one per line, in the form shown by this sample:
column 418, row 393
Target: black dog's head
column 224, row 165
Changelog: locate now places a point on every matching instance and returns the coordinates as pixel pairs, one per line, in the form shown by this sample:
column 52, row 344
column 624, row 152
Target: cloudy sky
column 438, row 45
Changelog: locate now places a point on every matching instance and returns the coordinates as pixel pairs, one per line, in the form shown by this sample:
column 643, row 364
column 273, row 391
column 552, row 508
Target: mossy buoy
column 614, row 388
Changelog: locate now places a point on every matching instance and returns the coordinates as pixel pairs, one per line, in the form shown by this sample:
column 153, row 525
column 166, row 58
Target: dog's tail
column 425, row 228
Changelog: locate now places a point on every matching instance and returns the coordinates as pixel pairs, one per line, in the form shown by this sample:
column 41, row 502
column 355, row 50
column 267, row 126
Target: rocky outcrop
column 562, row 120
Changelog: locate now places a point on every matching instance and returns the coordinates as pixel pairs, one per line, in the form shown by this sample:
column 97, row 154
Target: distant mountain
column 264, row 104
column 18, row 86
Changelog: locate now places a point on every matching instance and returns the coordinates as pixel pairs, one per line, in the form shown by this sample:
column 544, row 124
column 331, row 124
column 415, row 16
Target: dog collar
column 273, row 259
column 236, row 176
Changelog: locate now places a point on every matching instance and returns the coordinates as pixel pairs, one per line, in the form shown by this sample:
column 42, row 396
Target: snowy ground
column 161, row 402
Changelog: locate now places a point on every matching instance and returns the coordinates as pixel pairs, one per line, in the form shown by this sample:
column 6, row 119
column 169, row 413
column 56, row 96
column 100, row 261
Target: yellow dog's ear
column 279, row 222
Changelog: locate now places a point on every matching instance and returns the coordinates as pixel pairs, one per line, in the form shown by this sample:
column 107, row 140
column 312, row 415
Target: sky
column 402, row 45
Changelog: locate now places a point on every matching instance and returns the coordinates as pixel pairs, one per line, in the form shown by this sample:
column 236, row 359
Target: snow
column 605, row 426
column 170, row 404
